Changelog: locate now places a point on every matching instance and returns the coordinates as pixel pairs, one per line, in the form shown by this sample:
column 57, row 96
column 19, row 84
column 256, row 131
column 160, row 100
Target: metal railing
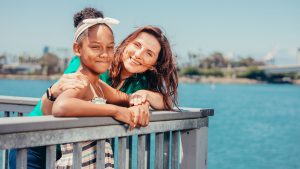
column 155, row 146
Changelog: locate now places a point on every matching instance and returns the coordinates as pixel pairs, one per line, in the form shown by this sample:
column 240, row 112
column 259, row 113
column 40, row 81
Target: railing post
column 50, row 156
column 194, row 148
column 151, row 151
column 141, row 151
column 159, row 151
column 175, row 150
column 77, row 155
column 133, row 154
column 167, row 150
column 5, row 159
column 21, row 158
column 100, row 160
column 5, row 152
column 122, row 153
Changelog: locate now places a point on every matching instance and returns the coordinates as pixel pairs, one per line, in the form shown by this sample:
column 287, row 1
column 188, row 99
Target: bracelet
column 49, row 94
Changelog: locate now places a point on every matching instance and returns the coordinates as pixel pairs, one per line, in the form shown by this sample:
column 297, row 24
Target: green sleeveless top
column 131, row 85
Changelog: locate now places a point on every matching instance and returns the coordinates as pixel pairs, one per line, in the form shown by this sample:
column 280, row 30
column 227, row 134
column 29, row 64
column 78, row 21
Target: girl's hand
column 138, row 98
column 125, row 115
column 140, row 114
column 68, row 81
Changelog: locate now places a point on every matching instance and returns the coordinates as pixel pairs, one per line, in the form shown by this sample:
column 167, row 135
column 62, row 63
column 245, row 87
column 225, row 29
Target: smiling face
column 96, row 50
column 141, row 53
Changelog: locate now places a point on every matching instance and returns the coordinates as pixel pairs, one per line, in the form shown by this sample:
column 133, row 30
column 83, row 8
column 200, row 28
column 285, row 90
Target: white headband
column 91, row 22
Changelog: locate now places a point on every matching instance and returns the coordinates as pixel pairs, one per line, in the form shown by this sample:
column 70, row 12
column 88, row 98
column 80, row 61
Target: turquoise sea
column 254, row 126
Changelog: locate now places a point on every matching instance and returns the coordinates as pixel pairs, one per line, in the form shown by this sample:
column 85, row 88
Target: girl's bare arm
column 71, row 104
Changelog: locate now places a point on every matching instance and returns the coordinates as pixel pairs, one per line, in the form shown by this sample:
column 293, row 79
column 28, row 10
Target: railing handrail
column 26, row 124
column 41, row 133
column 29, row 101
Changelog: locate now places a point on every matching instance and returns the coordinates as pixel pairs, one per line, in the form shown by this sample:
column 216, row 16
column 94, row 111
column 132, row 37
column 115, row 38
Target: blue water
column 254, row 126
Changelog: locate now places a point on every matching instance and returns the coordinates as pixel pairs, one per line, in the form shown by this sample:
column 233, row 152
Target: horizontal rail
column 17, row 104
column 30, row 101
column 49, row 137
column 25, row 124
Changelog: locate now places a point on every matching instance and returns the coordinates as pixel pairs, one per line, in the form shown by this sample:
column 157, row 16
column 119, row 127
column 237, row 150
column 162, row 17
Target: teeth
column 135, row 61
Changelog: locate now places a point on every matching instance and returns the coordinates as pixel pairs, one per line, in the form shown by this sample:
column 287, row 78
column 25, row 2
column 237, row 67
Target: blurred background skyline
column 259, row 29
column 230, row 50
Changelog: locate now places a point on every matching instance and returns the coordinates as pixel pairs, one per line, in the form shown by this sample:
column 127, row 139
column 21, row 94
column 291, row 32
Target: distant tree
column 194, row 58
column 3, row 59
column 253, row 72
column 190, row 71
column 214, row 60
column 248, row 61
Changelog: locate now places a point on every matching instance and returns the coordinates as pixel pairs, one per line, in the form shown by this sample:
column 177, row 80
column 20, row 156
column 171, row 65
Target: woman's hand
column 155, row 99
column 138, row 98
column 68, row 81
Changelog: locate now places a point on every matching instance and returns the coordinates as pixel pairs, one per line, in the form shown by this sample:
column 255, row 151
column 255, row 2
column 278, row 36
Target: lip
column 104, row 61
column 134, row 61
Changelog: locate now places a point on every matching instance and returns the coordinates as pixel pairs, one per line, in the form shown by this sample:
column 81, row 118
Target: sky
column 237, row 28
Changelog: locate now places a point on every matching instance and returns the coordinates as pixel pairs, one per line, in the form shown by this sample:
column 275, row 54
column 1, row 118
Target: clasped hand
column 138, row 101
column 139, row 108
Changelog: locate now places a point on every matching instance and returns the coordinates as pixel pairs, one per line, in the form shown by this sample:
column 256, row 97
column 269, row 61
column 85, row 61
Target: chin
column 100, row 71
column 133, row 70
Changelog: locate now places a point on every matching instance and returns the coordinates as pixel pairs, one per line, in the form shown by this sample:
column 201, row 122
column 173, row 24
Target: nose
column 138, row 54
column 104, row 53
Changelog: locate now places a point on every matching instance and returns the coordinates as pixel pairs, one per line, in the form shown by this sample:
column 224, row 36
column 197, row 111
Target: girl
column 94, row 45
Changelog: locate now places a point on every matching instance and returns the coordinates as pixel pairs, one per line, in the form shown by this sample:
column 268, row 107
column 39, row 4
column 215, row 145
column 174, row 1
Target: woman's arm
column 114, row 96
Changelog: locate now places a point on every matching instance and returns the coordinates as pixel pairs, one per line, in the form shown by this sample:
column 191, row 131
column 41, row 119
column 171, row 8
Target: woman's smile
column 132, row 60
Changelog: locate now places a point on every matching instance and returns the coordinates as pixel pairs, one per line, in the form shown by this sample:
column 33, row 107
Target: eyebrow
column 111, row 43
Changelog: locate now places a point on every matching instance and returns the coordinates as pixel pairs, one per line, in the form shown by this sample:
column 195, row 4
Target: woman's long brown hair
column 163, row 78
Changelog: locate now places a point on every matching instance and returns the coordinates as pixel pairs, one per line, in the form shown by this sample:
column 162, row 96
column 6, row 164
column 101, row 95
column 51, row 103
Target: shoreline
column 181, row 79
column 225, row 80
column 217, row 80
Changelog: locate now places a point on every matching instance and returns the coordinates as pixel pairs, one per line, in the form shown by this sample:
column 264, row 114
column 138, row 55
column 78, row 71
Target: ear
column 76, row 48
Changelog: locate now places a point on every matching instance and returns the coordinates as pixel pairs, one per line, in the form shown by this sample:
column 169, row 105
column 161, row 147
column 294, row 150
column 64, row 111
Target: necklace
column 97, row 89
column 97, row 99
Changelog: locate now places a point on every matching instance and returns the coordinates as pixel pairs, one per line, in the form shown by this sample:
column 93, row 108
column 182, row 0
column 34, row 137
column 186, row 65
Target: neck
column 125, row 74
column 92, row 76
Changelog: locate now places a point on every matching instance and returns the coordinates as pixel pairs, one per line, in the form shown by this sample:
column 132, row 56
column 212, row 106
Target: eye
column 95, row 47
column 150, row 54
column 110, row 48
column 137, row 44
